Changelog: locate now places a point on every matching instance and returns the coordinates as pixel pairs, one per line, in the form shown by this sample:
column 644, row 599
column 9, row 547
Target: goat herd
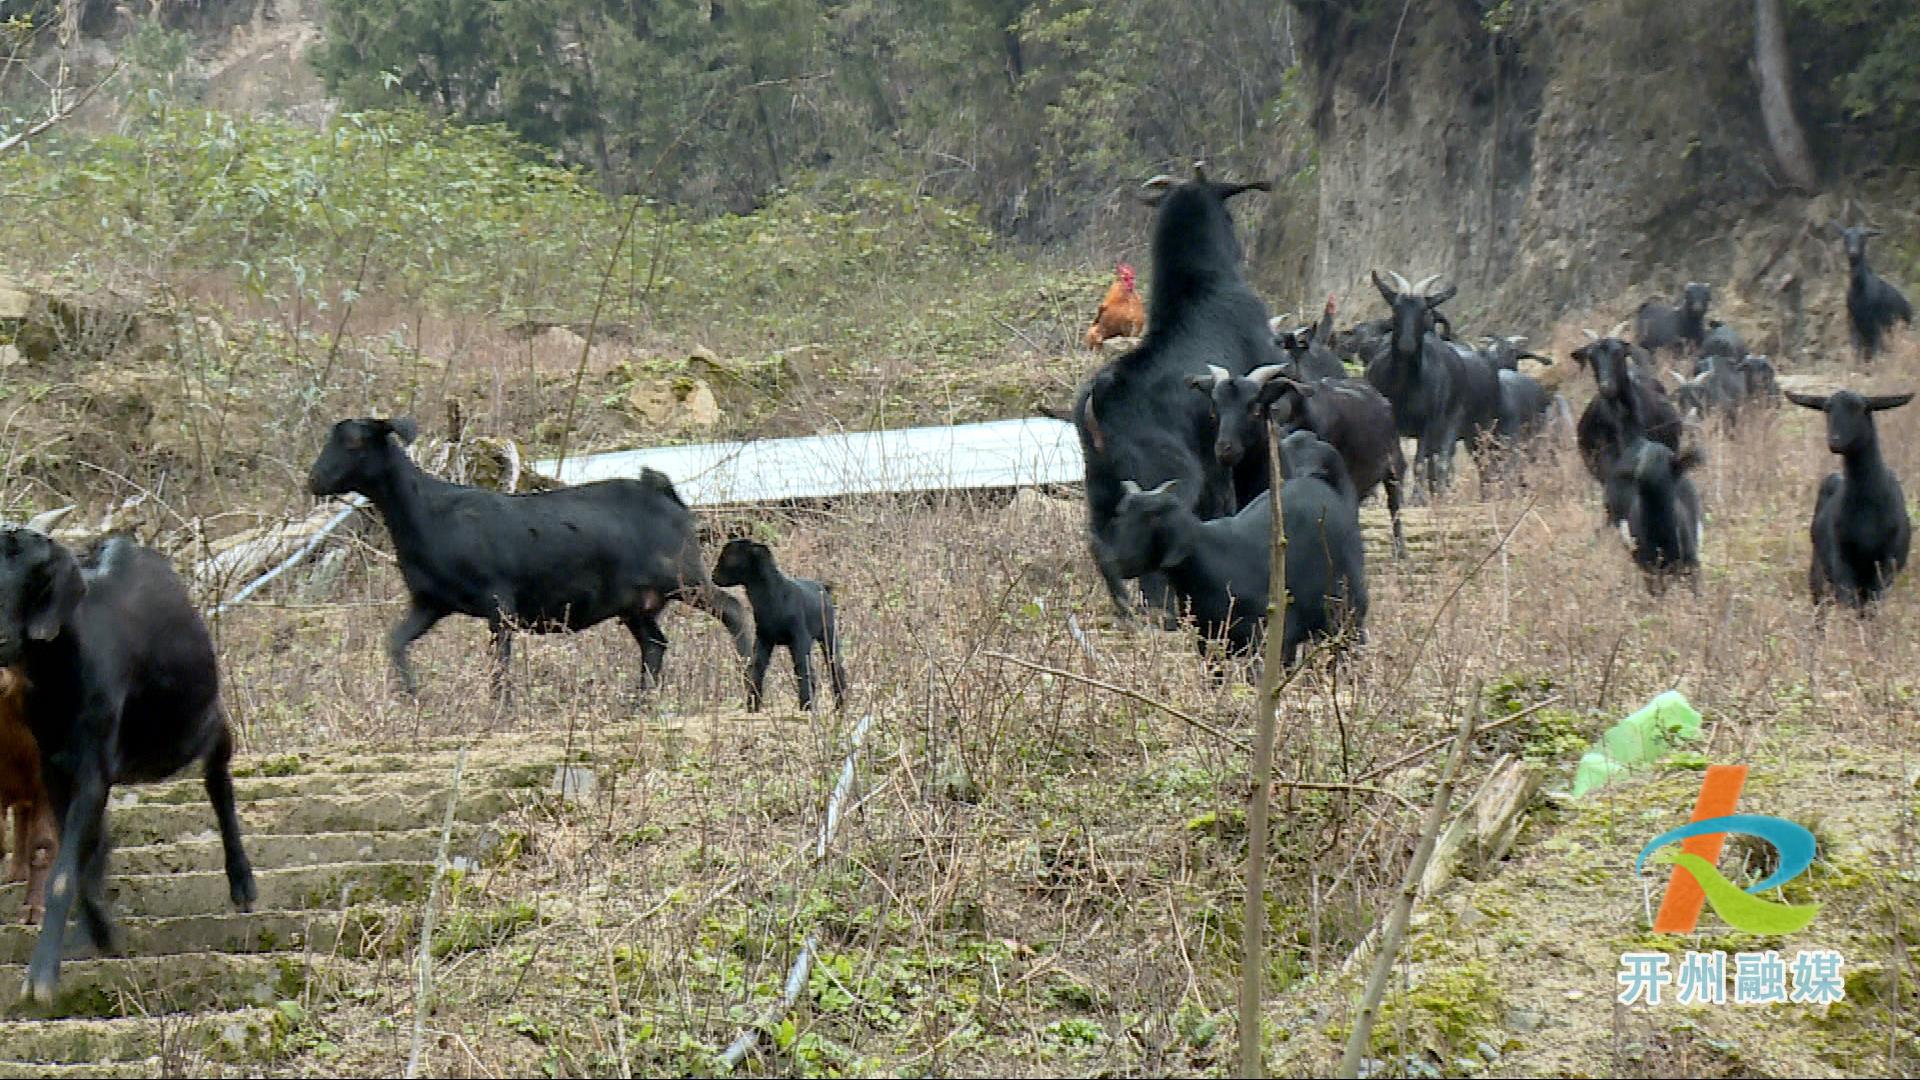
column 1175, row 434
column 108, row 673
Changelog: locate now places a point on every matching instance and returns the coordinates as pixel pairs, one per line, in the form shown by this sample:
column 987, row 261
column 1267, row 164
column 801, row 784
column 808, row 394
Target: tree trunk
column 1773, row 69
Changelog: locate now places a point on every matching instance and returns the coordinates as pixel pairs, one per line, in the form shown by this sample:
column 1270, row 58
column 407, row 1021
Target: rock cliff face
column 1561, row 159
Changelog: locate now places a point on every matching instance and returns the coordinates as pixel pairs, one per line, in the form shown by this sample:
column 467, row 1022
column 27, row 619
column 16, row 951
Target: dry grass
column 1041, row 878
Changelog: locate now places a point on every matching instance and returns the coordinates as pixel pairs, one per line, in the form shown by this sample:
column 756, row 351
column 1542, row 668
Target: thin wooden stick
column 1134, row 695
column 1381, row 770
column 1310, row 785
column 1362, row 1032
column 1253, row 958
column 423, row 991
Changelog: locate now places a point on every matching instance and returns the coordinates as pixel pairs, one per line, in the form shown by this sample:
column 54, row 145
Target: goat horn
column 1129, row 487
column 1426, row 283
column 1400, row 283
column 1591, row 336
column 1199, row 171
column 1220, row 374
column 1164, row 488
column 1266, row 372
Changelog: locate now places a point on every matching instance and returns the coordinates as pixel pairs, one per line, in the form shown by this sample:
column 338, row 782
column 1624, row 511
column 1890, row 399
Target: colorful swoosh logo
column 1739, row 909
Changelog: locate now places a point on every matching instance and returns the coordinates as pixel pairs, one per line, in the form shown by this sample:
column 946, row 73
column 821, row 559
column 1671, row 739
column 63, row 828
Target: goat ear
column 1536, row 356
column 1690, row 458
column 1838, row 232
column 405, row 429
column 1443, row 296
column 1816, row 402
column 60, row 593
column 1871, row 232
column 1228, row 191
column 1887, row 401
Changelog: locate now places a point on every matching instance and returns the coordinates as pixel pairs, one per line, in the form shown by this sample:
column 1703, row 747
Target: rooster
column 1121, row 314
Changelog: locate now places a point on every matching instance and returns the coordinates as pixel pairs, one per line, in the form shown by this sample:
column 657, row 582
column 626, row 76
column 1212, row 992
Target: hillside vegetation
column 1034, row 874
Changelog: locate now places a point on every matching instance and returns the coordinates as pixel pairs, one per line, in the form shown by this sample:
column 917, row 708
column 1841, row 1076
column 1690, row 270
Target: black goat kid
column 122, row 687
column 787, row 612
column 549, row 561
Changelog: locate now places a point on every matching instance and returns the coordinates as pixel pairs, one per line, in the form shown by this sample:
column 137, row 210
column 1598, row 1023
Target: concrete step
column 133, row 1040
column 203, row 852
column 327, row 886
column 428, row 784
column 159, row 823
column 103, row 1070
column 351, row 933
column 163, row 985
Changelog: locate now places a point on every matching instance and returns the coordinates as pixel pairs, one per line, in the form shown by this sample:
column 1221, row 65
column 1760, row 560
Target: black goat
column 1861, row 531
column 1136, row 417
column 1629, row 407
column 1722, row 342
column 1348, row 413
column 1440, row 396
column 1873, row 304
column 1312, row 357
column 547, row 561
column 121, row 687
column 1526, row 408
column 1663, row 520
column 1724, row 387
column 1357, row 421
column 793, row 613
column 1326, row 562
column 1218, row 569
column 1659, row 325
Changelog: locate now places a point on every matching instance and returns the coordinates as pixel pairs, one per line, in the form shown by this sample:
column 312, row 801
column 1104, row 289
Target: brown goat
column 22, row 793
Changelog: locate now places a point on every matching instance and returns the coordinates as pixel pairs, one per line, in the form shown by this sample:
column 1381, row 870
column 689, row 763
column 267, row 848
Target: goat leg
column 83, row 797
column 757, row 672
column 219, row 781
column 803, row 672
column 417, row 621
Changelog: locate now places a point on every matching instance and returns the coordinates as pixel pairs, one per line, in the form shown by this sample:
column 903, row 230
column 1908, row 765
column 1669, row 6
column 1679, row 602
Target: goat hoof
column 41, row 983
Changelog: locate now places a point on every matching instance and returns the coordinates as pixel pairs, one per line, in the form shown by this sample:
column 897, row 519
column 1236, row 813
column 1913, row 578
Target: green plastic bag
column 1638, row 740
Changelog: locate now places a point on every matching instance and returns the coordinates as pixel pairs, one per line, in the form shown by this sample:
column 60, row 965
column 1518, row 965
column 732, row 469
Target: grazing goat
column 1659, row 325
column 793, row 613
column 1629, row 407
column 1136, row 418
column 1217, row 568
column 1861, row 531
column 24, row 796
column 552, row 560
column 1440, row 396
column 121, row 687
column 1663, row 521
column 1873, row 304
column 1326, row 562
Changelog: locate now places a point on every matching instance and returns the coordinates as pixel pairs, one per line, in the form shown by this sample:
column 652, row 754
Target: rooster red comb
column 1126, row 275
